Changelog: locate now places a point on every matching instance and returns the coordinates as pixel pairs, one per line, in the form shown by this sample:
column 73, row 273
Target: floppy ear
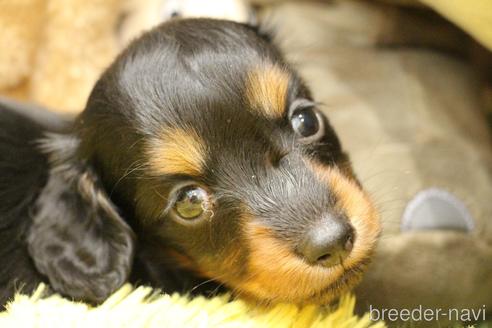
column 77, row 238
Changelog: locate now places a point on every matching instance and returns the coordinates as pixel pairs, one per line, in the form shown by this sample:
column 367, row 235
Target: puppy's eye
column 191, row 202
column 305, row 122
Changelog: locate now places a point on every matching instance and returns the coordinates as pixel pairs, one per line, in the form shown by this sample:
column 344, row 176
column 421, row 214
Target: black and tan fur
column 89, row 206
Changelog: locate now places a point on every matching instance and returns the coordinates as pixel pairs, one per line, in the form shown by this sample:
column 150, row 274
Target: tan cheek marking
column 266, row 90
column 177, row 151
column 358, row 207
column 225, row 267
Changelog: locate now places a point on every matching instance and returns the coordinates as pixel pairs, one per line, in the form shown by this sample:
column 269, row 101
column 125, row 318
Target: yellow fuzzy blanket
column 144, row 307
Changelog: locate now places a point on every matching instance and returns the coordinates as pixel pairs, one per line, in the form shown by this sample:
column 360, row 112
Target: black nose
column 328, row 243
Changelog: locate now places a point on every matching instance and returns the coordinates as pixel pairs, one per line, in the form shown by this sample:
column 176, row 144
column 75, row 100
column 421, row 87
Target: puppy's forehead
column 193, row 64
column 237, row 119
column 194, row 88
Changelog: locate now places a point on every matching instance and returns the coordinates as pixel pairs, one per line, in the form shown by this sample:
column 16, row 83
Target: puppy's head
column 214, row 147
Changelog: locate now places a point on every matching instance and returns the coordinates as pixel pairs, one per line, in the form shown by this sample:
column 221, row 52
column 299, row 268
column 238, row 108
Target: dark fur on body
column 88, row 206
column 23, row 173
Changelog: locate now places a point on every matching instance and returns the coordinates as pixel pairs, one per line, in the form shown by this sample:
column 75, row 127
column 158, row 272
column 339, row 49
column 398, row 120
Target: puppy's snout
column 328, row 242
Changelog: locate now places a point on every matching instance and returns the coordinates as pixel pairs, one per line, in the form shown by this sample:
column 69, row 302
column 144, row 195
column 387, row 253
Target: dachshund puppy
column 201, row 156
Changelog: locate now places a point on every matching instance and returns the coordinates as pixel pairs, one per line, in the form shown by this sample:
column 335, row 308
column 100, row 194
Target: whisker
column 126, row 174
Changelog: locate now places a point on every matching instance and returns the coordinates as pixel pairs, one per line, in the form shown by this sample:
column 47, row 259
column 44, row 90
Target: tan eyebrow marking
column 266, row 90
column 177, row 151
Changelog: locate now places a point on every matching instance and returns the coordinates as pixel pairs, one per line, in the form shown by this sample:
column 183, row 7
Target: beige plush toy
column 53, row 51
column 18, row 40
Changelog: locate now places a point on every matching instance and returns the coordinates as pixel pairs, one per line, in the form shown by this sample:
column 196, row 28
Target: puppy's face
column 215, row 147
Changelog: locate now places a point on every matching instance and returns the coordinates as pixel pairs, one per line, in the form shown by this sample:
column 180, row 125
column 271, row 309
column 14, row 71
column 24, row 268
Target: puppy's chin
column 346, row 282
column 300, row 294
column 341, row 280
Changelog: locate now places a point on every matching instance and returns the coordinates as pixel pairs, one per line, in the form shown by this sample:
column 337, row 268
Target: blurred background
column 407, row 85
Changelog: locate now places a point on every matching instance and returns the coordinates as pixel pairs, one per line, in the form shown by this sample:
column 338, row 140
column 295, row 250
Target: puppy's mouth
column 300, row 288
column 349, row 279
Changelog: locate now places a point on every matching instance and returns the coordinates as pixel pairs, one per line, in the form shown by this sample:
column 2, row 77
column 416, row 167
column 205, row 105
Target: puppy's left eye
column 306, row 121
column 191, row 202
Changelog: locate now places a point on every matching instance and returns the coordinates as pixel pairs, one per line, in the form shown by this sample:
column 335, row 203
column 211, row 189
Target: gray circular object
column 435, row 208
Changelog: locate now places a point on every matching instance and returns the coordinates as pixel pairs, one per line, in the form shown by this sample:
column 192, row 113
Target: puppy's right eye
column 191, row 202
